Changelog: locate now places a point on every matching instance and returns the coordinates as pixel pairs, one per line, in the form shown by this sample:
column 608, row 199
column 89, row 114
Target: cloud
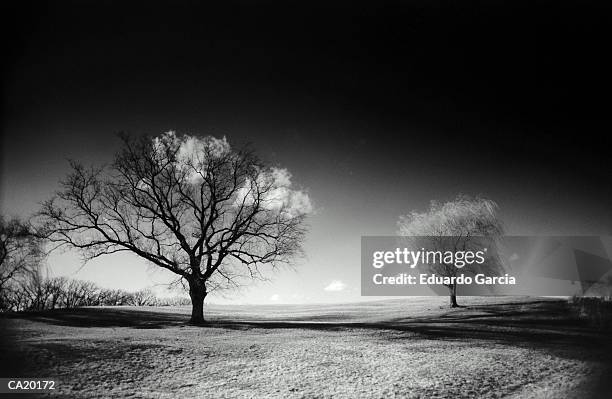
column 299, row 202
column 280, row 195
column 197, row 149
column 192, row 152
column 280, row 176
column 335, row 286
column 275, row 297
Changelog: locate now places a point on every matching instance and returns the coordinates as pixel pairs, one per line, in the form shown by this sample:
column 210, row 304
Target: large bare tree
column 462, row 224
column 195, row 206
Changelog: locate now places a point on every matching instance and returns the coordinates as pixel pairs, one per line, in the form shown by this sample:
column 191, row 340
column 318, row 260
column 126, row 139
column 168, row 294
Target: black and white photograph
column 305, row 199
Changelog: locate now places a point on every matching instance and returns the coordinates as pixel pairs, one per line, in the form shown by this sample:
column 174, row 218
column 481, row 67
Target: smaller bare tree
column 457, row 225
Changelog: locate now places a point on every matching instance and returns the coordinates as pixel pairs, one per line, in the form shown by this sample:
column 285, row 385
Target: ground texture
column 412, row 348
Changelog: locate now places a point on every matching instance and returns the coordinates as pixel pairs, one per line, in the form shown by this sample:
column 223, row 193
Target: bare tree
column 144, row 297
column 31, row 292
column 55, row 288
column 20, row 251
column 172, row 301
column 114, row 297
column 458, row 225
column 35, row 291
column 192, row 205
column 79, row 293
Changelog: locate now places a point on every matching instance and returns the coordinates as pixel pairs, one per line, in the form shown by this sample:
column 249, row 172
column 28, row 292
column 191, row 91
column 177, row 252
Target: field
column 415, row 347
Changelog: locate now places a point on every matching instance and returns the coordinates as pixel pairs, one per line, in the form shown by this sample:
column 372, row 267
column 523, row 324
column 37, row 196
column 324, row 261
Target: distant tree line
column 36, row 293
column 23, row 287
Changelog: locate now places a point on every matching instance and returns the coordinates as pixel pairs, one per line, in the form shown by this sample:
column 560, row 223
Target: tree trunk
column 453, row 296
column 197, row 292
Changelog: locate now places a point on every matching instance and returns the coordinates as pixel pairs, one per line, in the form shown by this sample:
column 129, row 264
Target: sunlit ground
column 401, row 348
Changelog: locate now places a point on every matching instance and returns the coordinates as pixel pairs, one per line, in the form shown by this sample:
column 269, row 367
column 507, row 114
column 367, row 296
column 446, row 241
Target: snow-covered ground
column 414, row 347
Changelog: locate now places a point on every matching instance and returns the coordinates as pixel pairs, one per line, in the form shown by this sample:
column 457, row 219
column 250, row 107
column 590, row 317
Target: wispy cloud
column 335, row 285
column 275, row 297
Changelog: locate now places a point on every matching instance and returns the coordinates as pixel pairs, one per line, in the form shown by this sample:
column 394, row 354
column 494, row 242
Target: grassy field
column 414, row 347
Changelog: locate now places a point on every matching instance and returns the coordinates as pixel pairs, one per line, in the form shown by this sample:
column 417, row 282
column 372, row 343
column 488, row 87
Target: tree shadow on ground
column 103, row 317
column 542, row 321
column 547, row 325
column 536, row 321
column 539, row 321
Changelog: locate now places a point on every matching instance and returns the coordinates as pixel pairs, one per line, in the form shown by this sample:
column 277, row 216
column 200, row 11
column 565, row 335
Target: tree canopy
column 209, row 213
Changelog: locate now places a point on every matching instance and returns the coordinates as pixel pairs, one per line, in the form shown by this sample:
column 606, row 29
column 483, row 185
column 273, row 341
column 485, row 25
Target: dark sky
column 375, row 107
